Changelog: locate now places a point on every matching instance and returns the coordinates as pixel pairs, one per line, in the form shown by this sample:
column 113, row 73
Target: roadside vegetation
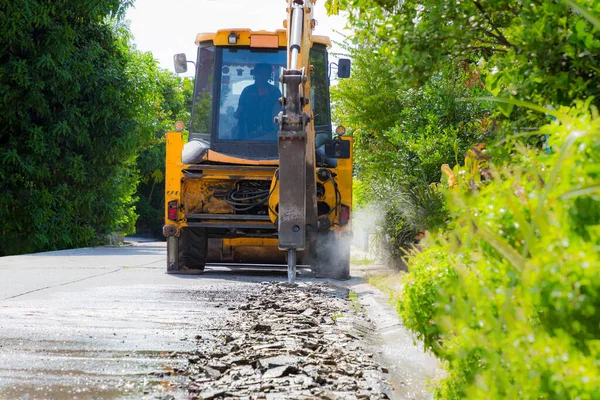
column 150, row 196
column 503, row 285
column 502, row 251
column 82, row 114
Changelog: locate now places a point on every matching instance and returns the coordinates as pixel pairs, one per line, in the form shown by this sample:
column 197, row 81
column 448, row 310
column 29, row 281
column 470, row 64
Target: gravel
column 289, row 341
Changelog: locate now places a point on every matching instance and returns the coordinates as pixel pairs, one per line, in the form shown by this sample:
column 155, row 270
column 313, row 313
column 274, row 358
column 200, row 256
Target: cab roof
column 220, row 38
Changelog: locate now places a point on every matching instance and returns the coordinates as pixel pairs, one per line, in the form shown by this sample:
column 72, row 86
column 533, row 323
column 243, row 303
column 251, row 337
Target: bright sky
column 167, row 27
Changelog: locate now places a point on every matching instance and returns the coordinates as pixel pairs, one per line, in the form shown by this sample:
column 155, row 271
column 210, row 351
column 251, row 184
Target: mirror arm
column 331, row 64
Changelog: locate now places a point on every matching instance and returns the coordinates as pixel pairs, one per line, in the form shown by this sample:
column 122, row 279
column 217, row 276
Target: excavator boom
column 297, row 211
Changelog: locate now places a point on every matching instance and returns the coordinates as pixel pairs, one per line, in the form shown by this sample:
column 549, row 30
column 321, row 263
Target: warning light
column 340, row 130
column 232, row 38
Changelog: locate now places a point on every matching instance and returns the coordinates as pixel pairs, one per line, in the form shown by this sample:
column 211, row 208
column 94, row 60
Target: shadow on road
column 256, row 274
column 147, row 250
column 245, row 273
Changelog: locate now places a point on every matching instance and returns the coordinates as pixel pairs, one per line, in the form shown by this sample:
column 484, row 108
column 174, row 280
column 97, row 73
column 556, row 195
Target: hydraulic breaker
column 293, row 140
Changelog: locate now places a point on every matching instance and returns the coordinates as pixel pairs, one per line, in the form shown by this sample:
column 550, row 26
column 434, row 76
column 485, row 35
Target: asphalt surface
column 107, row 322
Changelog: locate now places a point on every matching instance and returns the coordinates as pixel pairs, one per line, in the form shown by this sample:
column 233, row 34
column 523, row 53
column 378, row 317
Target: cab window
column 249, row 95
column 201, row 123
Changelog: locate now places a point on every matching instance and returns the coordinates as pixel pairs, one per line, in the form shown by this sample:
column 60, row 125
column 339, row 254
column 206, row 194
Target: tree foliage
column 541, row 51
column 77, row 102
column 509, row 295
column 176, row 98
column 402, row 137
column 506, row 294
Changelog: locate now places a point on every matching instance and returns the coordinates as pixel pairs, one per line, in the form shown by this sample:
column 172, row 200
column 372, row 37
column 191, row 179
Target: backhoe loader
column 263, row 179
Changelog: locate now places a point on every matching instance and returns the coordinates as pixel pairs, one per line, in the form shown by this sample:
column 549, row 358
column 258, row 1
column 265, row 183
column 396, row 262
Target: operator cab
column 237, row 91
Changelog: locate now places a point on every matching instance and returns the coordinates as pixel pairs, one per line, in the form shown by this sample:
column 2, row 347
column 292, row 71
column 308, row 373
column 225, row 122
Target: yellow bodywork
column 203, row 192
column 174, row 171
column 220, row 38
column 343, row 174
column 205, row 195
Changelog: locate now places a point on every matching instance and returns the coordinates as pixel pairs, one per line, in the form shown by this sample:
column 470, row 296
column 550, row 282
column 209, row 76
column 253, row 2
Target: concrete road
column 107, row 322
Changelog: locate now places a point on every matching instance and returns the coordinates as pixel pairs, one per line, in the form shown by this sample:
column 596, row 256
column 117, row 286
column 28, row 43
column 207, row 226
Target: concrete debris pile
column 288, row 342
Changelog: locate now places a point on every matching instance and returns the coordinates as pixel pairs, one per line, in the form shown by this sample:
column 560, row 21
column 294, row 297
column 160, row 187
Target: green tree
column 176, row 100
column 403, row 135
column 77, row 102
column 507, row 293
column 542, row 51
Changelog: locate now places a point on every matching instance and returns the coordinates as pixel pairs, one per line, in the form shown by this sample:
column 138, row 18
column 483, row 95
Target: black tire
column 331, row 255
column 188, row 251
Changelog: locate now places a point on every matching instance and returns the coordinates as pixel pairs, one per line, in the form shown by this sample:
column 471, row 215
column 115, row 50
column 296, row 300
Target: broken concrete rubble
column 289, row 341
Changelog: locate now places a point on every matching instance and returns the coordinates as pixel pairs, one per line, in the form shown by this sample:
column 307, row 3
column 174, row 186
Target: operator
column 258, row 106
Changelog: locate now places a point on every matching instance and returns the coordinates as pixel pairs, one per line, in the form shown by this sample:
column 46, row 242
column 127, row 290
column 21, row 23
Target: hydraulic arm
column 297, row 206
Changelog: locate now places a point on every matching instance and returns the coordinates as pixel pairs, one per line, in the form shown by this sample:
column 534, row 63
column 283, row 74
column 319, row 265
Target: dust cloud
column 367, row 240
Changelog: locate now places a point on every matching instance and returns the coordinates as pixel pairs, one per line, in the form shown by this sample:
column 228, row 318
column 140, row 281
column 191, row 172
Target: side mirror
column 343, row 68
column 180, row 61
column 337, row 148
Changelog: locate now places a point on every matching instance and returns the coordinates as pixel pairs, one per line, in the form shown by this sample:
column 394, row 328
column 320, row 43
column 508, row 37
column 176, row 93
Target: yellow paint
column 174, row 173
column 307, row 40
column 344, row 180
column 273, row 199
column 220, row 38
column 206, row 194
column 321, row 40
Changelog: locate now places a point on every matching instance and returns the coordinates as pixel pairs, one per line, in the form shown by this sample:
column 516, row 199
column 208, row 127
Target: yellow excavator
column 263, row 179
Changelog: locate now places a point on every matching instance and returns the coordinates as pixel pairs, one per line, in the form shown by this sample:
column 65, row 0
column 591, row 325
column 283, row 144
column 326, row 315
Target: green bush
column 509, row 296
column 77, row 103
column 175, row 96
column 543, row 51
column 402, row 137
column 151, row 189
column 422, row 291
